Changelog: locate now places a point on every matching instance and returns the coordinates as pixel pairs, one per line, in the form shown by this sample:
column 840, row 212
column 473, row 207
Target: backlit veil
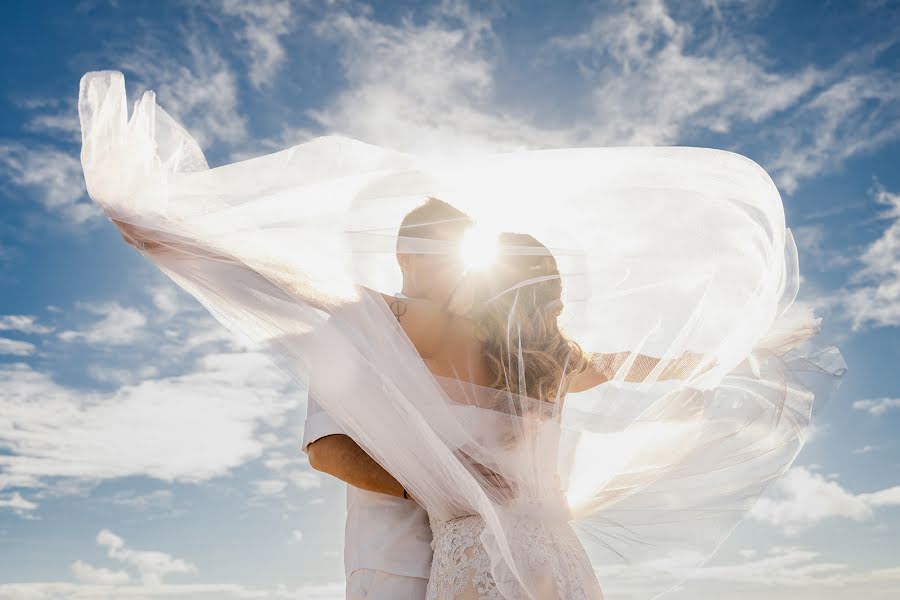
column 661, row 251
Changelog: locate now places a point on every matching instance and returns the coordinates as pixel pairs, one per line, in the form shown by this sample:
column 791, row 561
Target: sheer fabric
column 662, row 251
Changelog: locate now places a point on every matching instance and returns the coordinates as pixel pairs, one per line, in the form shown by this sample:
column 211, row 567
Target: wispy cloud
column 816, row 250
column 646, row 77
column 262, row 25
column 422, row 87
column 152, row 565
column 23, row 323
column 51, row 176
column 161, row 498
column 196, row 85
column 88, row 573
column 269, row 487
column 188, row 428
column 51, row 116
column 796, row 568
column 141, row 574
column 654, row 79
column 293, row 467
column 802, row 498
column 17, row 503
column 857, row 112
column 16, row 347
column 117, row 326
column 872, row 296
column 877, row 406
column 183, row 591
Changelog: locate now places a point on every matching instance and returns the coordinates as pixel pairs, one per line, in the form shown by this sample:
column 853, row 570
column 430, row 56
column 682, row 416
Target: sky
column 146, row 453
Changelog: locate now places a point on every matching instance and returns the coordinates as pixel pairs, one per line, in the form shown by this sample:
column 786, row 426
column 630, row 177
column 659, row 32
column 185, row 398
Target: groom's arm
column 331, row 451
column 339, row 456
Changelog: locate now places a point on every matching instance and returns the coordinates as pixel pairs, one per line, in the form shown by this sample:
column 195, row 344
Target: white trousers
column 367, row 584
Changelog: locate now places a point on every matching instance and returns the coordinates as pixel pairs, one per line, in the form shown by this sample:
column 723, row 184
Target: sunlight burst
column 479, row 248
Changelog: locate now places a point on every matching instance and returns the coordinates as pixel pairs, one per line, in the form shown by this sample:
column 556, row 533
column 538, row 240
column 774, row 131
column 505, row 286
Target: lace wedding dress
column 554, row 561
column 461, row 566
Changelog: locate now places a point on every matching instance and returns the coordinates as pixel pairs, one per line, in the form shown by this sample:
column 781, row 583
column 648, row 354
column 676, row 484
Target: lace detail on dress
column 461, row 567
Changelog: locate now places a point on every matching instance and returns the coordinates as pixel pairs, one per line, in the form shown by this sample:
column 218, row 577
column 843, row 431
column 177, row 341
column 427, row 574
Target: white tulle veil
column 661, row 251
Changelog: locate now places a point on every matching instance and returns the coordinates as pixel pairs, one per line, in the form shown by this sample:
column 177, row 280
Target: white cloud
column 17, row 503
column 187, row 428
column 55, row 115
column 197, row 87
column 118, row 326
column 305, row 480
column 649, row 77
column 64, row 122
column 856, row 112
column 877, row 406
column 152, row 565
column 872, row 297
column 653, row 78
column 54, row 590
column 294, row 467
column 782, row 566
column 170, row 300
column 422, row 87
column 88, row 573
column 269, row 487
column 802, row 498
column 263, row 24
column 739, row 9
column 23, row 323
column 866, row 449
column 16, row 347
column 296, row 536
column 799, row 570
column 121, row 376
column 815, row 249
column 53, row 175
column 156, row 499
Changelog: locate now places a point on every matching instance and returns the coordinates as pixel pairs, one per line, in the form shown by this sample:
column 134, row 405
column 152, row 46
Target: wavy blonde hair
column 517, row 316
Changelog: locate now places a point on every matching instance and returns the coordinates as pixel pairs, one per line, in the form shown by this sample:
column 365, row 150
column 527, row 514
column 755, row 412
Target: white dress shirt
column 383, row 532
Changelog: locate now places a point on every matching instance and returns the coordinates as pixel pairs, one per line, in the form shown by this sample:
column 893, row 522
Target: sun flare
column 479, row 248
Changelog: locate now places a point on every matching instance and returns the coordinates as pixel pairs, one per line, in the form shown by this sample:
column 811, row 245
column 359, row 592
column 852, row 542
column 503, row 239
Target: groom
column 387, row 539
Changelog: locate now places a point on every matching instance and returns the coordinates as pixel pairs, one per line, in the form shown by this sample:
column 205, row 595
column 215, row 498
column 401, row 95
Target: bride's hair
column 524, row 320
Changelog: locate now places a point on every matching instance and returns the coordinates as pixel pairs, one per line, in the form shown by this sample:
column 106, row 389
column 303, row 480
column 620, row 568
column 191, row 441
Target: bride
column 485, row 404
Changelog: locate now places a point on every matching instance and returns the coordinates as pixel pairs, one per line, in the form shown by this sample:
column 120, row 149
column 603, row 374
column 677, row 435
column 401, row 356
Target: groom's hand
column 493, row 481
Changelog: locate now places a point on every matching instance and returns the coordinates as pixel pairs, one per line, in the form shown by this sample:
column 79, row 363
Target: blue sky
column 146, row 453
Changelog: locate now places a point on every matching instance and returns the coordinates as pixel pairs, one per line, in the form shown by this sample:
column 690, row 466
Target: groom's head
column 431, row 271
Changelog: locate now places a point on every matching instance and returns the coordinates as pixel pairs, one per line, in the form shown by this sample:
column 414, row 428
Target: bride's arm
column 163, row 243
column 423, row 321
column 603, row 366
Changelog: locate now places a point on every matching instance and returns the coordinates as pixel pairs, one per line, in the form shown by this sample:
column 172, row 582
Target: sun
column 479, row 248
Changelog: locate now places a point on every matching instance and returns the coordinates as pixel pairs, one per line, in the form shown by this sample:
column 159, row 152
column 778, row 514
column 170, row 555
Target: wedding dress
column 461, row 567
column 629, row 486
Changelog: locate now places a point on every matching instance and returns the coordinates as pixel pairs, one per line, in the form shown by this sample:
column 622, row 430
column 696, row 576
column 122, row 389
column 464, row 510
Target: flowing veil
column 661, row 251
